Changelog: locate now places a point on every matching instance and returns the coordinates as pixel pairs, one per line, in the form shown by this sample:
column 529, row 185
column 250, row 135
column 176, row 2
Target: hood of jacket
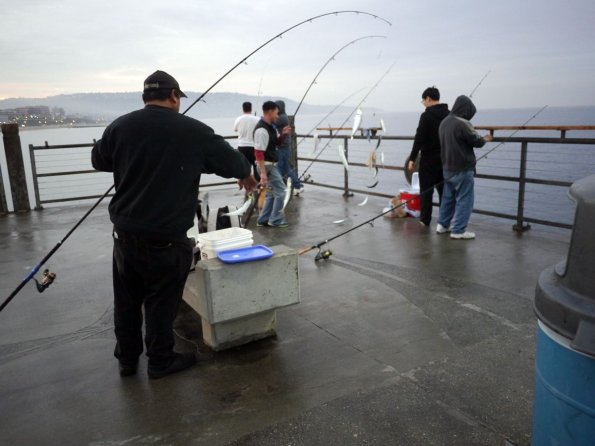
column 281, row 105
column 439, row 111
column 463, row 108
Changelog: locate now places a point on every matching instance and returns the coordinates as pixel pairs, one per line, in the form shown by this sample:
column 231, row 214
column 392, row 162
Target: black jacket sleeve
column 223, row 160
column 421, row 136
column 101, row 154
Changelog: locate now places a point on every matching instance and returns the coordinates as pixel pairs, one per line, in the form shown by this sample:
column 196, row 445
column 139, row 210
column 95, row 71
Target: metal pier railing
column 524, row 181
column 513, row 164
column 63, row 173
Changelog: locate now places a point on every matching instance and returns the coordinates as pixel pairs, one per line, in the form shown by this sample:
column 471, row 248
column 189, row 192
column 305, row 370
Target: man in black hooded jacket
column 427, row 142
column 457, row 140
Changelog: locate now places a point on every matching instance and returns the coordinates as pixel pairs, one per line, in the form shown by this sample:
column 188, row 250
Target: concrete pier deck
column 403, row 337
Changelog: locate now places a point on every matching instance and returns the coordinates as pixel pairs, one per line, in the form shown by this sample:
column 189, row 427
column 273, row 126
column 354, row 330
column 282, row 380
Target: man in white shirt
column 244, row 126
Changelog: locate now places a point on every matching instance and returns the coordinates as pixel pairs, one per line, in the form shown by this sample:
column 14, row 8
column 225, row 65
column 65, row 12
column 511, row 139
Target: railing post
column 16, row 167
column 346, row 192
column 3, row 204
column 520, row 226
column 38, row 205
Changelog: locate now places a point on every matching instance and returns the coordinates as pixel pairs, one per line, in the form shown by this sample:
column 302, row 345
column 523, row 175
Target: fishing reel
column 47, row 278
column 323, row 254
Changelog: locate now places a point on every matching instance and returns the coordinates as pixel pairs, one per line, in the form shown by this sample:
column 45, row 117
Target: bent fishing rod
column 327, row 253
column 252, row 202
column 330, row 59
column 48, row 276
column 370, row 91
column 280, row 35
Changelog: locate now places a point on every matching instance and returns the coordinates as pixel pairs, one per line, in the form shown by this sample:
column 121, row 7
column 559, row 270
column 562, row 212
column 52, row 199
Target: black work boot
column 180, row 361
column 127, row 368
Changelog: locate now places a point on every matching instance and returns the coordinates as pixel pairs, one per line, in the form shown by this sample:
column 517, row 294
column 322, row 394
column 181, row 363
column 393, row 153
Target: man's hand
column 264, row 180
column 248, row 184
column 411, row 165
column 286, row 130
column 488, row 137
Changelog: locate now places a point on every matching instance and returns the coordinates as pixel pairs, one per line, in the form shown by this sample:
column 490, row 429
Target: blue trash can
column 564, row 404
column 564, row 409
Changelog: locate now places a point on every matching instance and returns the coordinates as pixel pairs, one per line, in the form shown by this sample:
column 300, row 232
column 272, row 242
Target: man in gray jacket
column 284, row 151
column 457, row 140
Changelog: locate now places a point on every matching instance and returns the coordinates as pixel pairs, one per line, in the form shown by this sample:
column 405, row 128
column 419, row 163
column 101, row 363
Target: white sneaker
column 299, row 191
column 441, row 229
column 464, row 236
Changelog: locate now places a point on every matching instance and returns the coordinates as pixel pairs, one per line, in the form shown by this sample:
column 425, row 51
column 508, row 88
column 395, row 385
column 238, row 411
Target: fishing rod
column 479, row 83
column 252, row 202
column 49, row 277
column 370, row 91
column 310, row 20
column 328, row 62
column 324, row 255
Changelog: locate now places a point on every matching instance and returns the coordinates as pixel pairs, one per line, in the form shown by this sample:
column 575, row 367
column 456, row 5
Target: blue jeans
column 272, row 211
column 284, row 166
column 457, row 200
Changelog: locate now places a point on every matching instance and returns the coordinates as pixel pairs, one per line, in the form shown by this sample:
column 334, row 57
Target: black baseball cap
column 160, row 80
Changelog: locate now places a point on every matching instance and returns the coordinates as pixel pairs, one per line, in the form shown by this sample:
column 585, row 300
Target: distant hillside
column 110, row 105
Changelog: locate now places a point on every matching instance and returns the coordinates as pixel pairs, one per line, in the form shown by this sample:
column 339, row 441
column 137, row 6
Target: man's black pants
column 248, row 152
column 149, row 274
column 430, row 177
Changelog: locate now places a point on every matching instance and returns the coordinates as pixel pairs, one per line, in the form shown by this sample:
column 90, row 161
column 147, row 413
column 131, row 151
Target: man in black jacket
column 427, row 142
column 157, row 156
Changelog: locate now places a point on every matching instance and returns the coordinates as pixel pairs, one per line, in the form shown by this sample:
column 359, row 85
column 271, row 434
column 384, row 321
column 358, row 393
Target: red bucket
column 414, row 204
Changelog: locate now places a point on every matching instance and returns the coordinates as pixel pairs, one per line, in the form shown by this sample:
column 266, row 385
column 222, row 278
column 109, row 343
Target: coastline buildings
column 42, row 115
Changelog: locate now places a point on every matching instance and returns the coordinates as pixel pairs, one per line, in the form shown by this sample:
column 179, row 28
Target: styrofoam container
column 222, row 236
column 210, row 252
column 212, row 242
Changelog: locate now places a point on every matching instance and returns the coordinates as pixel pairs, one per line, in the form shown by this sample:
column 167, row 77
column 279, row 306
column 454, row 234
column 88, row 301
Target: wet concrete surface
column 403, row 337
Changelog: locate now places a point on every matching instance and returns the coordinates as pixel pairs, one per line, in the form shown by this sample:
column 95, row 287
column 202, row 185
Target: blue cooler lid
column 247, row 254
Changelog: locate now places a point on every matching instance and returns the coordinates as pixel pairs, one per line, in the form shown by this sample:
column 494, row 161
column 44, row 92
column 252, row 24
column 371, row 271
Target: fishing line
column 370, row 91
column 328, row 114
column 243, row 60
column 325, row 255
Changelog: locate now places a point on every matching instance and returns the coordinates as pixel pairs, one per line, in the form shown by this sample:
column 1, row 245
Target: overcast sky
column 539, row 52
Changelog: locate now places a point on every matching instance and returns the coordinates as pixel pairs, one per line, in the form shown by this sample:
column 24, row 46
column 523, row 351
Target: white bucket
column 211, row 243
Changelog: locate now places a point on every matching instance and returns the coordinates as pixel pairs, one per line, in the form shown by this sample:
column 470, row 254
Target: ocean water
column 545, row 161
